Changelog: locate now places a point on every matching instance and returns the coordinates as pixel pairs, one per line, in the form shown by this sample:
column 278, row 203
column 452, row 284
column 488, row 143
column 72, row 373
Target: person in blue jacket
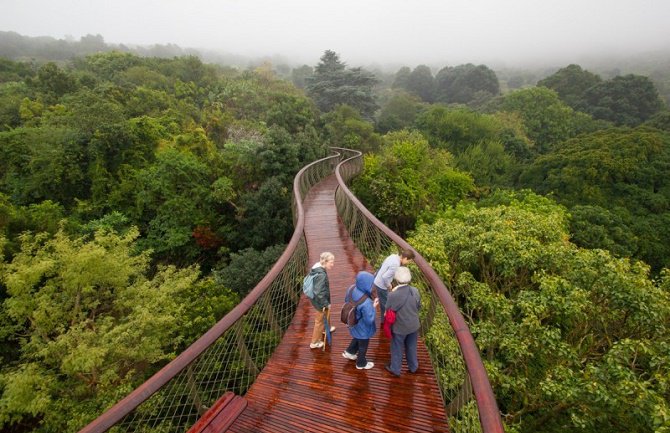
column 365, row 327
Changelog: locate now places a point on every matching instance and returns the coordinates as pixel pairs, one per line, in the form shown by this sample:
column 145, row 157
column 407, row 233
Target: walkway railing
column 233, row 352
column 454, row 354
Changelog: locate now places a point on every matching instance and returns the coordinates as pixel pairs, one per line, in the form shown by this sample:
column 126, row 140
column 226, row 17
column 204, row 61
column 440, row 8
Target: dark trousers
column 404, row 345
column 383, row 295
column 359, row 347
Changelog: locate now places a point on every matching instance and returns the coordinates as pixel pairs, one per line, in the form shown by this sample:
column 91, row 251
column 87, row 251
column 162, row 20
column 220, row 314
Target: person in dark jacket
column 321, row 300
column 365, row 316
column 406, row 302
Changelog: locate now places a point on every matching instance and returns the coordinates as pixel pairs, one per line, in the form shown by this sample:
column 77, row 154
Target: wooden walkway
column 310, row 390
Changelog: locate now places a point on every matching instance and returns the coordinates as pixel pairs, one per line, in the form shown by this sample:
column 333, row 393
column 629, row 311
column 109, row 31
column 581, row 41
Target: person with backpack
column 365, row 320
column 405, row 301
column 384, row 276
column 321, row 299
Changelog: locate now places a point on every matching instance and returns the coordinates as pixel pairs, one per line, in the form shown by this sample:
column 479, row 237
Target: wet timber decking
column 309, row 390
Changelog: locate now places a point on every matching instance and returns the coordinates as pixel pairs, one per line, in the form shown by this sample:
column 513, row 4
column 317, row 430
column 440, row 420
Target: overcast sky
column 363, row 32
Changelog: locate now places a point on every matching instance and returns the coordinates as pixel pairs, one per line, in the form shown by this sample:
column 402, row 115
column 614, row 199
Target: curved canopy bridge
column 254, row 370
column 303, row 389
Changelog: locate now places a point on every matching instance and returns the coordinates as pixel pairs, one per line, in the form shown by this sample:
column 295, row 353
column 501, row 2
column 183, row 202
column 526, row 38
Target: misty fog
column 376, row 32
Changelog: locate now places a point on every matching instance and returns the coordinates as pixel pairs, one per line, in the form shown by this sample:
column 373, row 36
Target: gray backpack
column 308, row 285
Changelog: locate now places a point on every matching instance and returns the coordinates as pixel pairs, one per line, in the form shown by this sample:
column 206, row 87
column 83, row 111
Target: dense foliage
column 141, row 198
column 619, row 179
column 398, row 111
column 466, row 84
column 419, row 82
column 625, row 100
column 571, row 83
column 547, row 120
column 123, row 182
column 408, row 177
column 334, row 84
column 573, row 339
column 91, row 324
column 569, row 303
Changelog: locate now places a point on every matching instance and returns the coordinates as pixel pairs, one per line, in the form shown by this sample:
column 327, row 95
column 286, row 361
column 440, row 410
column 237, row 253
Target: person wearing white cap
column 405, row 300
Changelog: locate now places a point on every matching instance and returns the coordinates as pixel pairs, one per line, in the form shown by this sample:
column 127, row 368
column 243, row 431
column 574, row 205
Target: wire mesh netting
column 239, row 353
column 230, row 364
column 242, row 346
column 436, row 330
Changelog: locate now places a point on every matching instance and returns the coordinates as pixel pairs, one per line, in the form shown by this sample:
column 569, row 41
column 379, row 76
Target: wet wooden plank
column 221, row 415
column 309, row 390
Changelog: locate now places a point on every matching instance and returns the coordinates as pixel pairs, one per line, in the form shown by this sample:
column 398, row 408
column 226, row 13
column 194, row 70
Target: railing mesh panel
column 438, row 334
column 238, row 355
column 242, row 348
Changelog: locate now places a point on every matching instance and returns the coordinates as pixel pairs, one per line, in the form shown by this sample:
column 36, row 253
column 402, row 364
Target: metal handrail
column 306, row 177
column 489, row 414
column 182, row 378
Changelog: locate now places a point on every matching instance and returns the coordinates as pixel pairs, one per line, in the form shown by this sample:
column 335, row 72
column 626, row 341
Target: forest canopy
column 132, row 184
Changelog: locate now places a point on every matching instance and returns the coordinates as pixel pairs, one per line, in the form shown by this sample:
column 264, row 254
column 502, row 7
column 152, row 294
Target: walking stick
column 327, row 338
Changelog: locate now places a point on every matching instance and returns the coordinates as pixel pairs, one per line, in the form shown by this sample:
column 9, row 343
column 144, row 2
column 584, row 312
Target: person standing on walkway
column 321, row 300
column 365, row 326
column 405, row 300
column 384, row 276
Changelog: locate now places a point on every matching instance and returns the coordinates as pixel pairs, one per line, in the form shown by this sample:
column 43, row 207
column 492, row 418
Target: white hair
column 402, row 275
column 326, row 257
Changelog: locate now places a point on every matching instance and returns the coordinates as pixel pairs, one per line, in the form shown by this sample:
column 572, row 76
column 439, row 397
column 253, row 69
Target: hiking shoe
column 317, row 345
column 367, row 366
column 349, row 355
column 332, row 329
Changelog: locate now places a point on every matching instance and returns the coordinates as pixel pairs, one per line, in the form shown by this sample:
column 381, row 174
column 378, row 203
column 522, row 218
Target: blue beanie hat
column 364, row 282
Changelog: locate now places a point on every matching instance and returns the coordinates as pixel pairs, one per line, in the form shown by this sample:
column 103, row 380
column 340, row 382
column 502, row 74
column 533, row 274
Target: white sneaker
column 317, row 345
column 349, row 355
column 367, row 366
column 332, row 329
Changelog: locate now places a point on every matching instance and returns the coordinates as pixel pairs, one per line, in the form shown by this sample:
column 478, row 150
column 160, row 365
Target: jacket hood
column 364, row 282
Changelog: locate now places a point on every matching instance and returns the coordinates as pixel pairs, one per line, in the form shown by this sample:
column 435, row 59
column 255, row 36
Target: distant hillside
column 653, row 64
column 16, row 47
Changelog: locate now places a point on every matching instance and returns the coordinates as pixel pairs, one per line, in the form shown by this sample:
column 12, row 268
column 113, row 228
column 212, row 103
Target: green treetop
column 333, row 84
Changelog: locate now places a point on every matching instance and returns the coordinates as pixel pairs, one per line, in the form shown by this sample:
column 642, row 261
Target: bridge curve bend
column 232, row 354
